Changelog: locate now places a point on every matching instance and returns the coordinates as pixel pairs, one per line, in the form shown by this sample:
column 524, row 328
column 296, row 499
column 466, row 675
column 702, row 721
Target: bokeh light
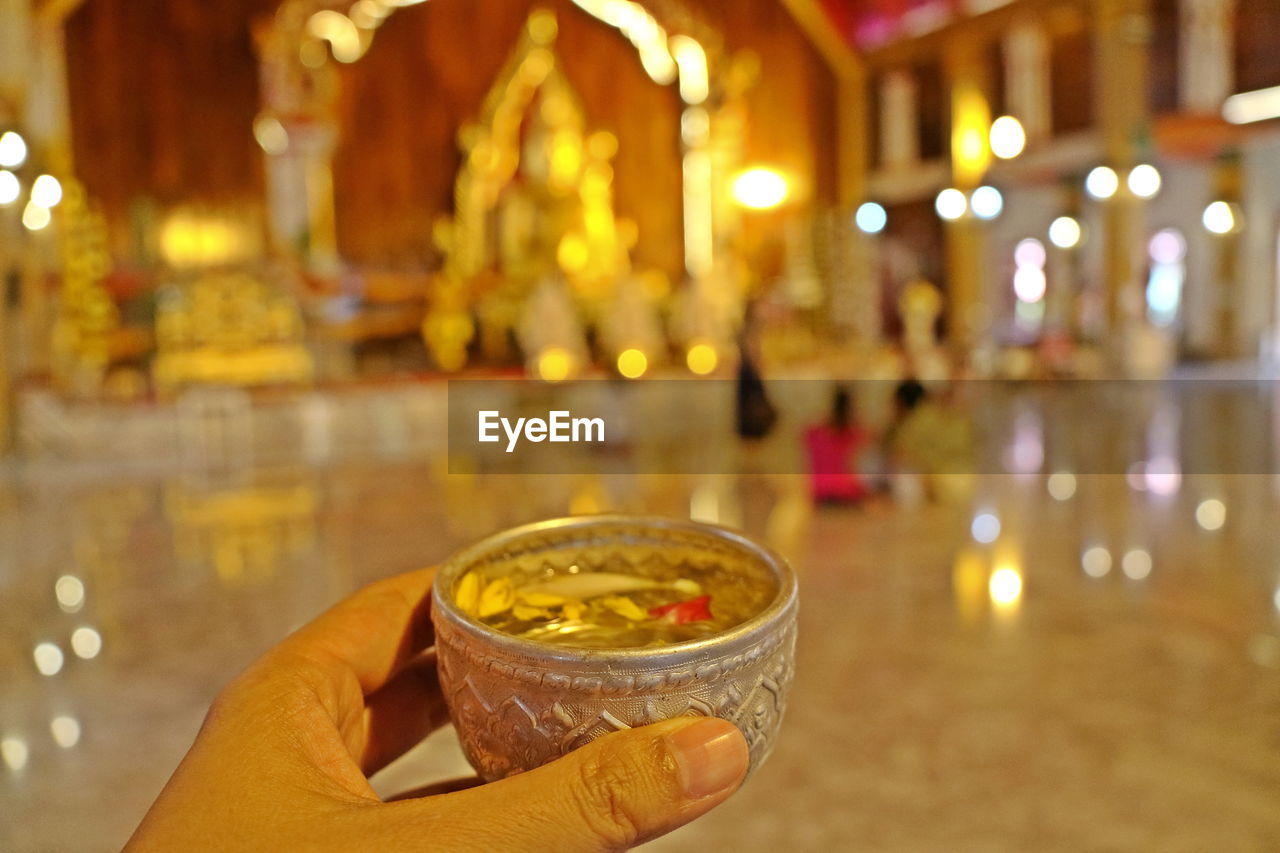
column 1005, row 586
column 1008, row 137
column 871, row 218
column 555, row 364
column 1220, row 218
column 1211, row 514
column 48, row 658
column 1145, row 181
column 69, row 591
column 1136, row 564
column 1096, row 561
column 761, row 189
column 15, row 753
column 702, row 359
column 985, row 528
column 987, row 202
column 632, row 363
column 35, row 217
column 1030, row 253
column 46, row 191
column 1062, row 485
column 86, row 642
column 65, row 731
column 13, row 150
column 951, row 204
column 1102, row 183
column 1030, row 284
column 10, row 188
column 1065, row 232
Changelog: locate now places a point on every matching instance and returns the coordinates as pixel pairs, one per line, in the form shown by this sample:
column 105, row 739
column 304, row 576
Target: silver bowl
column 518, row 704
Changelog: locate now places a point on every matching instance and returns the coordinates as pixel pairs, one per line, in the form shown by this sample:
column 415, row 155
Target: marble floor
column 1104, row 674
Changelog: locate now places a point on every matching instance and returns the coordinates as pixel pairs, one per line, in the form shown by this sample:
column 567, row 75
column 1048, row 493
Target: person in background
column 833, row 449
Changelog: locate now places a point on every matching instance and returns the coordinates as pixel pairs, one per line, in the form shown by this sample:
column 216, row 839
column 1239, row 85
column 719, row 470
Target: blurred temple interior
column 246, row 245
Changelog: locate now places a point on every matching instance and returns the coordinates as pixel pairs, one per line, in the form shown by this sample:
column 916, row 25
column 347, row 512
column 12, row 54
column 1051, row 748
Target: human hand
column 283, row 758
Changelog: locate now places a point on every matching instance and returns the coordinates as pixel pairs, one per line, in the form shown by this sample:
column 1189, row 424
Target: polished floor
column 1104, row 674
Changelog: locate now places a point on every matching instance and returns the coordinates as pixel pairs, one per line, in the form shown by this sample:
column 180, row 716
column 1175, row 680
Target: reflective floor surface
column 1096, row 668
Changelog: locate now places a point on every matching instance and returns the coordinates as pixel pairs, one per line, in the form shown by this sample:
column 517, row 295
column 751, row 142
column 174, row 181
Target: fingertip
column 711, row 756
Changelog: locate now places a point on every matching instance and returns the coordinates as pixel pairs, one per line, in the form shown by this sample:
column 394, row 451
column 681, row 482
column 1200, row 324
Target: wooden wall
column 164, row 93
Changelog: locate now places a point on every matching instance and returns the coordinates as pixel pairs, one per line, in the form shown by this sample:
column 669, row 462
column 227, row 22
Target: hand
column 283, row 758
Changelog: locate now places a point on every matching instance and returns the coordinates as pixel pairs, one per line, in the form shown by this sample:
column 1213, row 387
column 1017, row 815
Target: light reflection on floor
column 1104, row 673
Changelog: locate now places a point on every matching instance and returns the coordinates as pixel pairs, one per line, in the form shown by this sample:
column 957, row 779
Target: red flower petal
column 693, row 610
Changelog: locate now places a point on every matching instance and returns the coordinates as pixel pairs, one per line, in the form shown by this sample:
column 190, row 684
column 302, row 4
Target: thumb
column 616, row 792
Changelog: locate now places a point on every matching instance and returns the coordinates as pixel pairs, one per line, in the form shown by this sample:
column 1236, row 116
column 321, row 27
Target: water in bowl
column 616, row 605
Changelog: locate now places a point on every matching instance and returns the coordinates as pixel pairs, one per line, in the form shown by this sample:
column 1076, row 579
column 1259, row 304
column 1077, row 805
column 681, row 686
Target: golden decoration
column 229, row 329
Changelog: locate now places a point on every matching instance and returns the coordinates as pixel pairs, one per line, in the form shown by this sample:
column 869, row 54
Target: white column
column 899, row 137
column 1206, row 48
column 1028, row 91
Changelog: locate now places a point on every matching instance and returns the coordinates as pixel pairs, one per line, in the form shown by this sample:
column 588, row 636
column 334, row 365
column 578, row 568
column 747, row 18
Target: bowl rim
column 648, row 656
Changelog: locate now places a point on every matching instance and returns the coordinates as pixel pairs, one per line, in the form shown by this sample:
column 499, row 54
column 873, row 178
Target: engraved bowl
column 518, row 704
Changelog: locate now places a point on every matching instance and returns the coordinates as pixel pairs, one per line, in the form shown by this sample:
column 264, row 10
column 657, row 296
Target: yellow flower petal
column 625, row 607
column 467, row 594
column 540, row 599
column 530, row 614
column 497, row 598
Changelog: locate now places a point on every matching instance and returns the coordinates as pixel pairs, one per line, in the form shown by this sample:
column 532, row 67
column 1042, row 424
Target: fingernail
column 711, row 756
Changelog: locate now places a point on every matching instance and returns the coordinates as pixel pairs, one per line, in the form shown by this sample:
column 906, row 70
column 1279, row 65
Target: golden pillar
column 1122, row 36
column 968, row 82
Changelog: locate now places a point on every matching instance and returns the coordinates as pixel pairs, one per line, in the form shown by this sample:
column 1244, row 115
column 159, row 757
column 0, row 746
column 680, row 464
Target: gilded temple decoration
column 297, row 131
column 533, row 203
column 86, row 317
column 228, row 329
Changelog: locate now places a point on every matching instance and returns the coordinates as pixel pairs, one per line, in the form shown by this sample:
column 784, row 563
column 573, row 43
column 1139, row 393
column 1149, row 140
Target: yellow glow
column 761, row 188
column 1005, row 586
column 691, row 59
column 970, row 149
column 194, row 240
column 702, row 359
column 969, row 582
column 1008, row 138
column 14, row 752
column 46, row 191
column 555, row 364
column 65, row 731
column 271, row 135
column 704, row 504
column 573, row 254
column 632, row 363
column 69, row 590
column 699, row 228
column 340, row 32
column 13, row 150
column 35, row 217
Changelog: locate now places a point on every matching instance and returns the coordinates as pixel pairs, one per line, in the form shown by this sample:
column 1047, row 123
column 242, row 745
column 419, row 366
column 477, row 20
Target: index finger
column 375, row 632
